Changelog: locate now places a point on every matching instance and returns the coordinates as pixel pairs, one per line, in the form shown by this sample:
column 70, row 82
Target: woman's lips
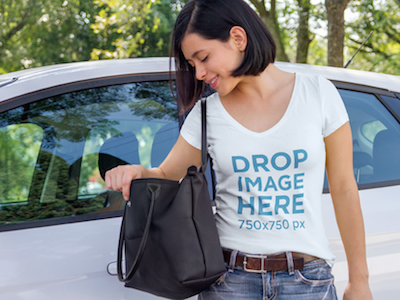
column 213, row 83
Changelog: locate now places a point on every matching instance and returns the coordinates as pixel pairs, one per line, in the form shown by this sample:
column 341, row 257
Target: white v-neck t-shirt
column 268, row 196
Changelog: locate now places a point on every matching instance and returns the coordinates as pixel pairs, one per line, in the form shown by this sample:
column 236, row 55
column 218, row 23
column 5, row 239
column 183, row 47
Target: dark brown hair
column 213, row 19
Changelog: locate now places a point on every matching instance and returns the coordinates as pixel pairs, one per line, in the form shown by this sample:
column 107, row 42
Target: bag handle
column 155, row 191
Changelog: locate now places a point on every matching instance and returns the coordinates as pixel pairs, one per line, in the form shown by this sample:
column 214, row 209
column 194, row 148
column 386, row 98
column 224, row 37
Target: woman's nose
column 200, row 73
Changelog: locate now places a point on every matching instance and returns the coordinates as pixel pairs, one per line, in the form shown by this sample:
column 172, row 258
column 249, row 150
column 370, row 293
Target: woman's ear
column 239, row 37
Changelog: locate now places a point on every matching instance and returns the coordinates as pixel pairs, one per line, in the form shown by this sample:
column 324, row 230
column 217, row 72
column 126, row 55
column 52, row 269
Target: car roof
column 383, row 81
column 31, row 80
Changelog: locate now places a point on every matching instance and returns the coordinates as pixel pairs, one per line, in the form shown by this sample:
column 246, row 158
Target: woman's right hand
column 174, row 167
column 120, row 178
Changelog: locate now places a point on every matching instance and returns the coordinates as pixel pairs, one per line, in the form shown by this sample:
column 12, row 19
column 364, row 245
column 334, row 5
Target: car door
column 375, row 124
column 59, row 225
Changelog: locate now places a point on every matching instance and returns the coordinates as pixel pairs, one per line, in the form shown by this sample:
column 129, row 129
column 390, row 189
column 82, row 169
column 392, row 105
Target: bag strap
column 154, row 189
column 204, row 155
column 204, row 158
column 213, row 182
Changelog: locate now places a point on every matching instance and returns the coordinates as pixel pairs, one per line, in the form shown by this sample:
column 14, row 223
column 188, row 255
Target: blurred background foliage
column 44, row 32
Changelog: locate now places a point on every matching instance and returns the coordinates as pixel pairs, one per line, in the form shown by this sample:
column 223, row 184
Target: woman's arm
column 181, row 156
column 346, row 201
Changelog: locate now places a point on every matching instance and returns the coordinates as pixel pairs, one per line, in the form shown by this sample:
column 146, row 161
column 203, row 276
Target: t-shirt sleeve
column 191, row 128
column 333, row 109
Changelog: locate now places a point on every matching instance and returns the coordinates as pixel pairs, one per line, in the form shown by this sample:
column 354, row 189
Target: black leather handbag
column 168, row 232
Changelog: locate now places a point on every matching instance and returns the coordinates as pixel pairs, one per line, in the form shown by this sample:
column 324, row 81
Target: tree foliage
column 270, row 18
column 381, row 53
column 43, row 32
column 133, row 27
column 18, row 147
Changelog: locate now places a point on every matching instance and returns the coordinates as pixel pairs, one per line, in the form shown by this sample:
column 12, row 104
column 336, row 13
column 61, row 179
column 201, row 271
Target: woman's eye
column 203, row 60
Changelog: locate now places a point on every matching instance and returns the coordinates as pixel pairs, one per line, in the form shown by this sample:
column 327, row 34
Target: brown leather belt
column 263, row 263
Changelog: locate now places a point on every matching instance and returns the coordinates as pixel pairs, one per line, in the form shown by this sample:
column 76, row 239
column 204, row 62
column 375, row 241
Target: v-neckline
column 271, row 129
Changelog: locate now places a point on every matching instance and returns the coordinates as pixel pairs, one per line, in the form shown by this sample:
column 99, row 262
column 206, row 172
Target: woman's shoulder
column 211, row 102
column 318, row 83
column 313, row 79
column 309, row 78
column 214, row 97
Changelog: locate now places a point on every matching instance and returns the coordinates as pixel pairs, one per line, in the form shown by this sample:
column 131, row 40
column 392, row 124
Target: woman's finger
column 120, row 178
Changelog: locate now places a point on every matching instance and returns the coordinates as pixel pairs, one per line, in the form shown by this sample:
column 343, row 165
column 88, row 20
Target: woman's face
column 214, row 60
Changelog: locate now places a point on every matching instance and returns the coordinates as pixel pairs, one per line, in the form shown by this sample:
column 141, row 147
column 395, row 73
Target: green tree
column 270, row 19
column 335, row 14
column 303, row 31
column 293, row 24
column 381, row 53
column 43, row 32
column 135, row 28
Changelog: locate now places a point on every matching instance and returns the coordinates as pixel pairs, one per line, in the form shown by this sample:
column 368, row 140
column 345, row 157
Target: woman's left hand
column 357, row 291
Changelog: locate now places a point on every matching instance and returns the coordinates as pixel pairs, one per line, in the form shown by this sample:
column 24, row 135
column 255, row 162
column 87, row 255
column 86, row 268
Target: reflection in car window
column 376, row 138
column 61, row 147
column 371, row 129
column 19, row 148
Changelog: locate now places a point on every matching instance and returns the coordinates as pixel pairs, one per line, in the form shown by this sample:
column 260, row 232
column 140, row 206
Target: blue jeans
column 314, row 282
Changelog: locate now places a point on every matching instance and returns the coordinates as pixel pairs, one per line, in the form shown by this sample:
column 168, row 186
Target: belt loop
column 290, row 263
column 232, row 261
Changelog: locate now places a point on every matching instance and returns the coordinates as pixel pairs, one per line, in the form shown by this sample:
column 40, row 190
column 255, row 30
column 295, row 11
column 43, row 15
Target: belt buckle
column 262, row 257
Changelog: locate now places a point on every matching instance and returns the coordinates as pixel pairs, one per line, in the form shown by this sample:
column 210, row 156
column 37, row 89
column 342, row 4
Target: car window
column 376, row 138
column 394, row 104
column 57, row 150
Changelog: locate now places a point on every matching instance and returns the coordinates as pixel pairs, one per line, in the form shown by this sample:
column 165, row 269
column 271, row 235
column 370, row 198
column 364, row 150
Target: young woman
column 270, row 134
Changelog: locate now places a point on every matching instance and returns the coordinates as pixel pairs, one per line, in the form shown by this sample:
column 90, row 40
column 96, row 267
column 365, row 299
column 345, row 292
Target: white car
column 63, row 126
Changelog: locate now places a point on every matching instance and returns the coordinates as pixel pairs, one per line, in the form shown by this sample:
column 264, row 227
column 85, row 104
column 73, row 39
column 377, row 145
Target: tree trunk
column 335, row 12
column 271, row 21
column 303, row 32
